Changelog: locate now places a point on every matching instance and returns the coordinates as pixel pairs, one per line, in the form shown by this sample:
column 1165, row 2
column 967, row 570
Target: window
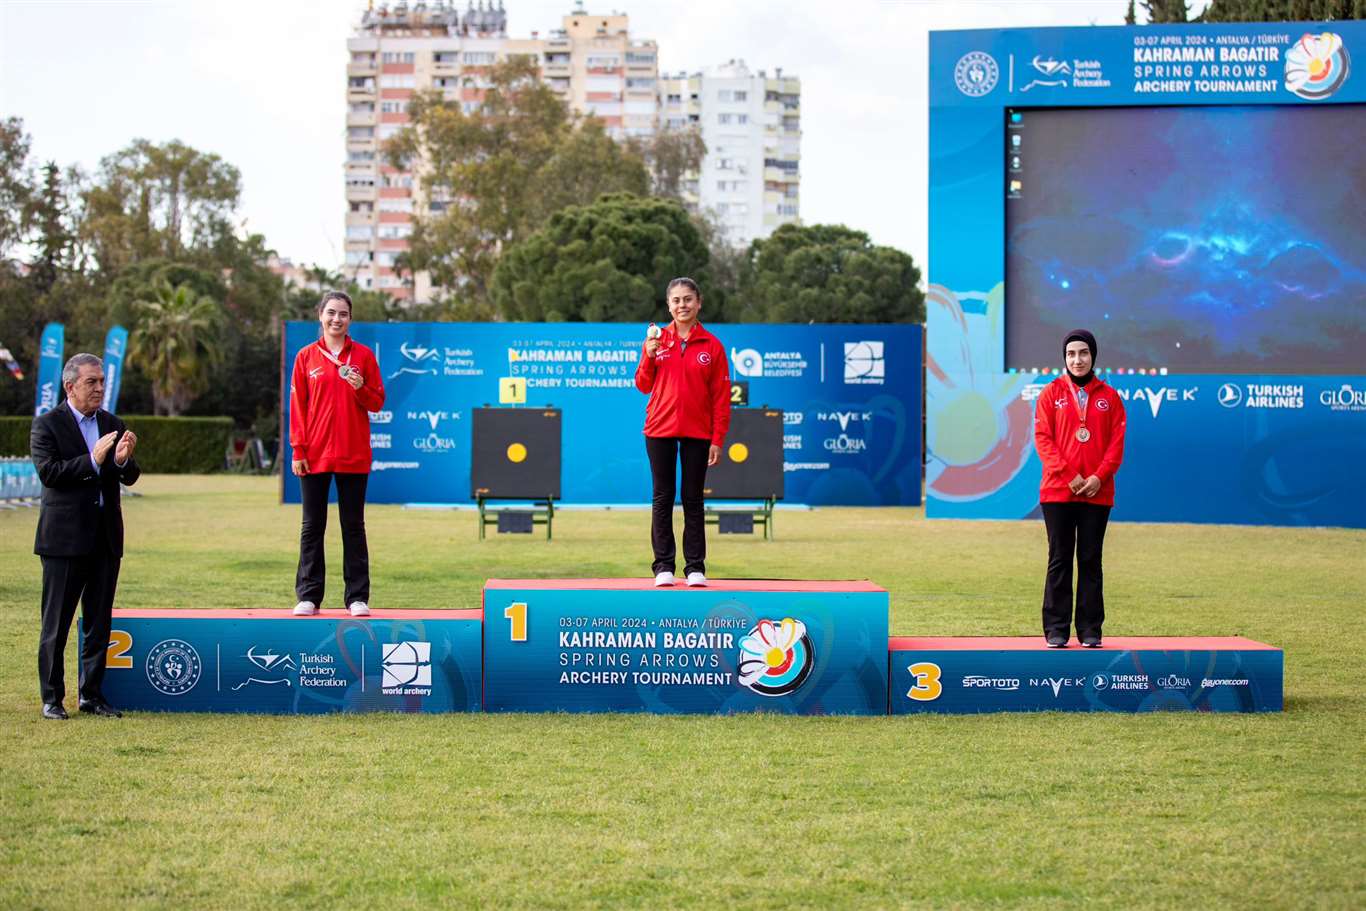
column 360, row 180
column 479, row 58
column 392, row 107
column 360, row 134
column 389, row 130
column 397, row 180
column 362, row 107
column 391, row 231
column 391, row 81
column 638, row 83
column 724, row 119
column 396, row 205
column 386, row 258
column 363, row 58
column 446, row 58
column 360, row 156
column 730, row 186
column 364, row 207
column 787, row 210
column 361, row 83
column 398, row 57
column 358, row 232
column 633, row 59
column 603, row 63
column 742, row 118
column 741, row 96
column 357, row 257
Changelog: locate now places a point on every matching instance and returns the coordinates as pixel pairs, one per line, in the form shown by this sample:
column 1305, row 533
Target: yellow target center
column 516, row 452
column 1317, row 66
column 738, row 452
column 775, row 657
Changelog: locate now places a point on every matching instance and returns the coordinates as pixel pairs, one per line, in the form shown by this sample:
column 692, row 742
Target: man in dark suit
column 82, row 454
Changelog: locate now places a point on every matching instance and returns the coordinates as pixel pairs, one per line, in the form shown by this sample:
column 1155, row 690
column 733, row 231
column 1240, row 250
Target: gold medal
column 1083, row 434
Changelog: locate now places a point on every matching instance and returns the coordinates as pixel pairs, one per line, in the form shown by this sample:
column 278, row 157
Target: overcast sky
column 262, row 84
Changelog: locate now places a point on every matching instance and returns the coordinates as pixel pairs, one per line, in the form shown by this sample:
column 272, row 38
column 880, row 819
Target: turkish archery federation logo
column 976, row 74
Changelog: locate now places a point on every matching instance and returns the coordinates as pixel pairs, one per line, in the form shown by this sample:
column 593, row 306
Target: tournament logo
column 1316, row 66
column 976, row 74
column 419, row 361
column 776, row 659
column 173, row 667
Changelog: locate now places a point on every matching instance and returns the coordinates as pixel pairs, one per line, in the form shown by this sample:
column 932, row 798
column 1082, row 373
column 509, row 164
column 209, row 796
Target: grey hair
column 74, row 365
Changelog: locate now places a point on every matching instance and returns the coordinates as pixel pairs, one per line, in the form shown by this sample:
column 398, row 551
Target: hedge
column 165, row 445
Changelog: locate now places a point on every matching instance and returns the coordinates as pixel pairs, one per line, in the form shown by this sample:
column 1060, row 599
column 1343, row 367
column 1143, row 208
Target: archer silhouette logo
column 1054, row 72
column 407, row 668
column 272, row 665
column 418, row 360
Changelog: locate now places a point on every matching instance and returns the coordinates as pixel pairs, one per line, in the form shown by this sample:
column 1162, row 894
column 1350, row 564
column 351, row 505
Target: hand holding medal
column 652, row 334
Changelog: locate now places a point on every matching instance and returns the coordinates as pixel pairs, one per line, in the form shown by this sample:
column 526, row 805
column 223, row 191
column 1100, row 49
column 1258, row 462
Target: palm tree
column 176, row 343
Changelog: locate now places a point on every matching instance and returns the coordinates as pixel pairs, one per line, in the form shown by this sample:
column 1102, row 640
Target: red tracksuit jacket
column 688, row 386
column 1064, row 456
column 328, row 423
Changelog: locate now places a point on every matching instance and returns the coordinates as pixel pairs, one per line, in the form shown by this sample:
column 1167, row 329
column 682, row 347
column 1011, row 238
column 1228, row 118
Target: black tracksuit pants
column 1074, row 528
column 665, row 455
column 310, row 583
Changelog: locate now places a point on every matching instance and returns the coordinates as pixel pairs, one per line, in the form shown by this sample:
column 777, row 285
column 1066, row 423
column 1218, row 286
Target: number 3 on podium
column 516, row 612
column 927, row 686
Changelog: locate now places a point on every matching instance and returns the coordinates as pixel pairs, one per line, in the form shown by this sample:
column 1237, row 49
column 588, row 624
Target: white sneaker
column 664, row 579
column 305, row 609
column 360, row 609
column 697, row 580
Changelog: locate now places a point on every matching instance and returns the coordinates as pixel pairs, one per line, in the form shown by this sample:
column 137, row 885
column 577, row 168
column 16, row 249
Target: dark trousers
column 89, row 579
column 665, row 454
column 310, row 584
column 1074, row 528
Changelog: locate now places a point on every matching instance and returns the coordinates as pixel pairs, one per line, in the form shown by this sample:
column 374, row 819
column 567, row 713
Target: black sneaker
column 1056, row 640
column 1091, row 642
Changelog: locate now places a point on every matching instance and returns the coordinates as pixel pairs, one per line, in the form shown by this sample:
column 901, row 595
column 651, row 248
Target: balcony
column 365, row 119
column 361, row 69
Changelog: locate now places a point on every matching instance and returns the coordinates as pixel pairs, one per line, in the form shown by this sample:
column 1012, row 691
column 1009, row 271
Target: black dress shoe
column 54, row 711
column 1056, row 640
column 100, row 707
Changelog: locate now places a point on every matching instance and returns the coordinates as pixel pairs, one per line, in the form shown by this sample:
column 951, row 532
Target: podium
column 272, row 662
column 1130, row 674
column 622, row 645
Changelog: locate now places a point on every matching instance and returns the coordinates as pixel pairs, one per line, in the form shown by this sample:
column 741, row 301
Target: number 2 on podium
column 516, row 612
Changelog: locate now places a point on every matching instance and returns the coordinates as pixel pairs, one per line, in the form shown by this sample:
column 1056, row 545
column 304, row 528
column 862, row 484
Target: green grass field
column 557, row 811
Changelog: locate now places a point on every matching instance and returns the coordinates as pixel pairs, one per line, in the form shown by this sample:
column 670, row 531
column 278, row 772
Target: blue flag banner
column 48, row 388
column 850, row 397
column 115, row 344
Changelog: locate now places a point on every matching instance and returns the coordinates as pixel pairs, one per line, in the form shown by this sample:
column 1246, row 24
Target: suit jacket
column 72, row 487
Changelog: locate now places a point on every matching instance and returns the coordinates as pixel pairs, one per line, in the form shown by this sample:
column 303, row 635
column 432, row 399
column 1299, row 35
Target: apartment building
column 750, row 178
column 591, row 61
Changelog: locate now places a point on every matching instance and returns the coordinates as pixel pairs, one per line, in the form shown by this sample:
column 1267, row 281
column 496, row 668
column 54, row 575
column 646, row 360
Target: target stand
column 751, row 468
column 515, row 455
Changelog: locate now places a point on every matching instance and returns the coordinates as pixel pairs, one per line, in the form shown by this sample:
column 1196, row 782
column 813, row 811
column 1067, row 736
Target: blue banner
column 115, row 344
column 1150, row 184
column 1244, row 676
column 850, row 397
column 266, row 661
column 611, row 646
column 48, row 384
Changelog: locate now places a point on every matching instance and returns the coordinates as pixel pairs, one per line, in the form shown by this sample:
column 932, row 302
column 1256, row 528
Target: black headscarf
column 1081, row 335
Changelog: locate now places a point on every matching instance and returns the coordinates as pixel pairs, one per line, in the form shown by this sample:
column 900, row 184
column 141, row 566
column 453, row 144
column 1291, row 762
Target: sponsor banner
column 812, row 652
column 850, row 397
column 48, row 392
column 1083, row 680
column 1221, row 447
column 428, row 661
column 115, row 346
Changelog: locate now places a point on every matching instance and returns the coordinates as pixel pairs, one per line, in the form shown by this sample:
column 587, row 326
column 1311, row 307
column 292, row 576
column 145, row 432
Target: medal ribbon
column 331, row 357
column 1080, row 399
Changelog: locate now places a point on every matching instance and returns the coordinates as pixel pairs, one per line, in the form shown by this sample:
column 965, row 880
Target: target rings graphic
column 776, row 658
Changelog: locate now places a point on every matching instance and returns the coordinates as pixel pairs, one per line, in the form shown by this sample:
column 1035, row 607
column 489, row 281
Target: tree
column 16, row 183
column 160, row 200
column 499, row 171
column 1129, row 16
column 605, row 262
column 1167, row 11
column 176, row 343
column 829, row 274
column 1282, row 10
column 55, row 237
column 672, row 155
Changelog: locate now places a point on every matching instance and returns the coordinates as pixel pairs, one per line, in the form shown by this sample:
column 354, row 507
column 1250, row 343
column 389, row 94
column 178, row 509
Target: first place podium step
column 622, row 645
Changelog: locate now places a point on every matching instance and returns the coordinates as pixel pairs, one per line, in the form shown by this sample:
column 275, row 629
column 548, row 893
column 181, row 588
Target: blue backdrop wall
column 850, row 395
column 1217, row 250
